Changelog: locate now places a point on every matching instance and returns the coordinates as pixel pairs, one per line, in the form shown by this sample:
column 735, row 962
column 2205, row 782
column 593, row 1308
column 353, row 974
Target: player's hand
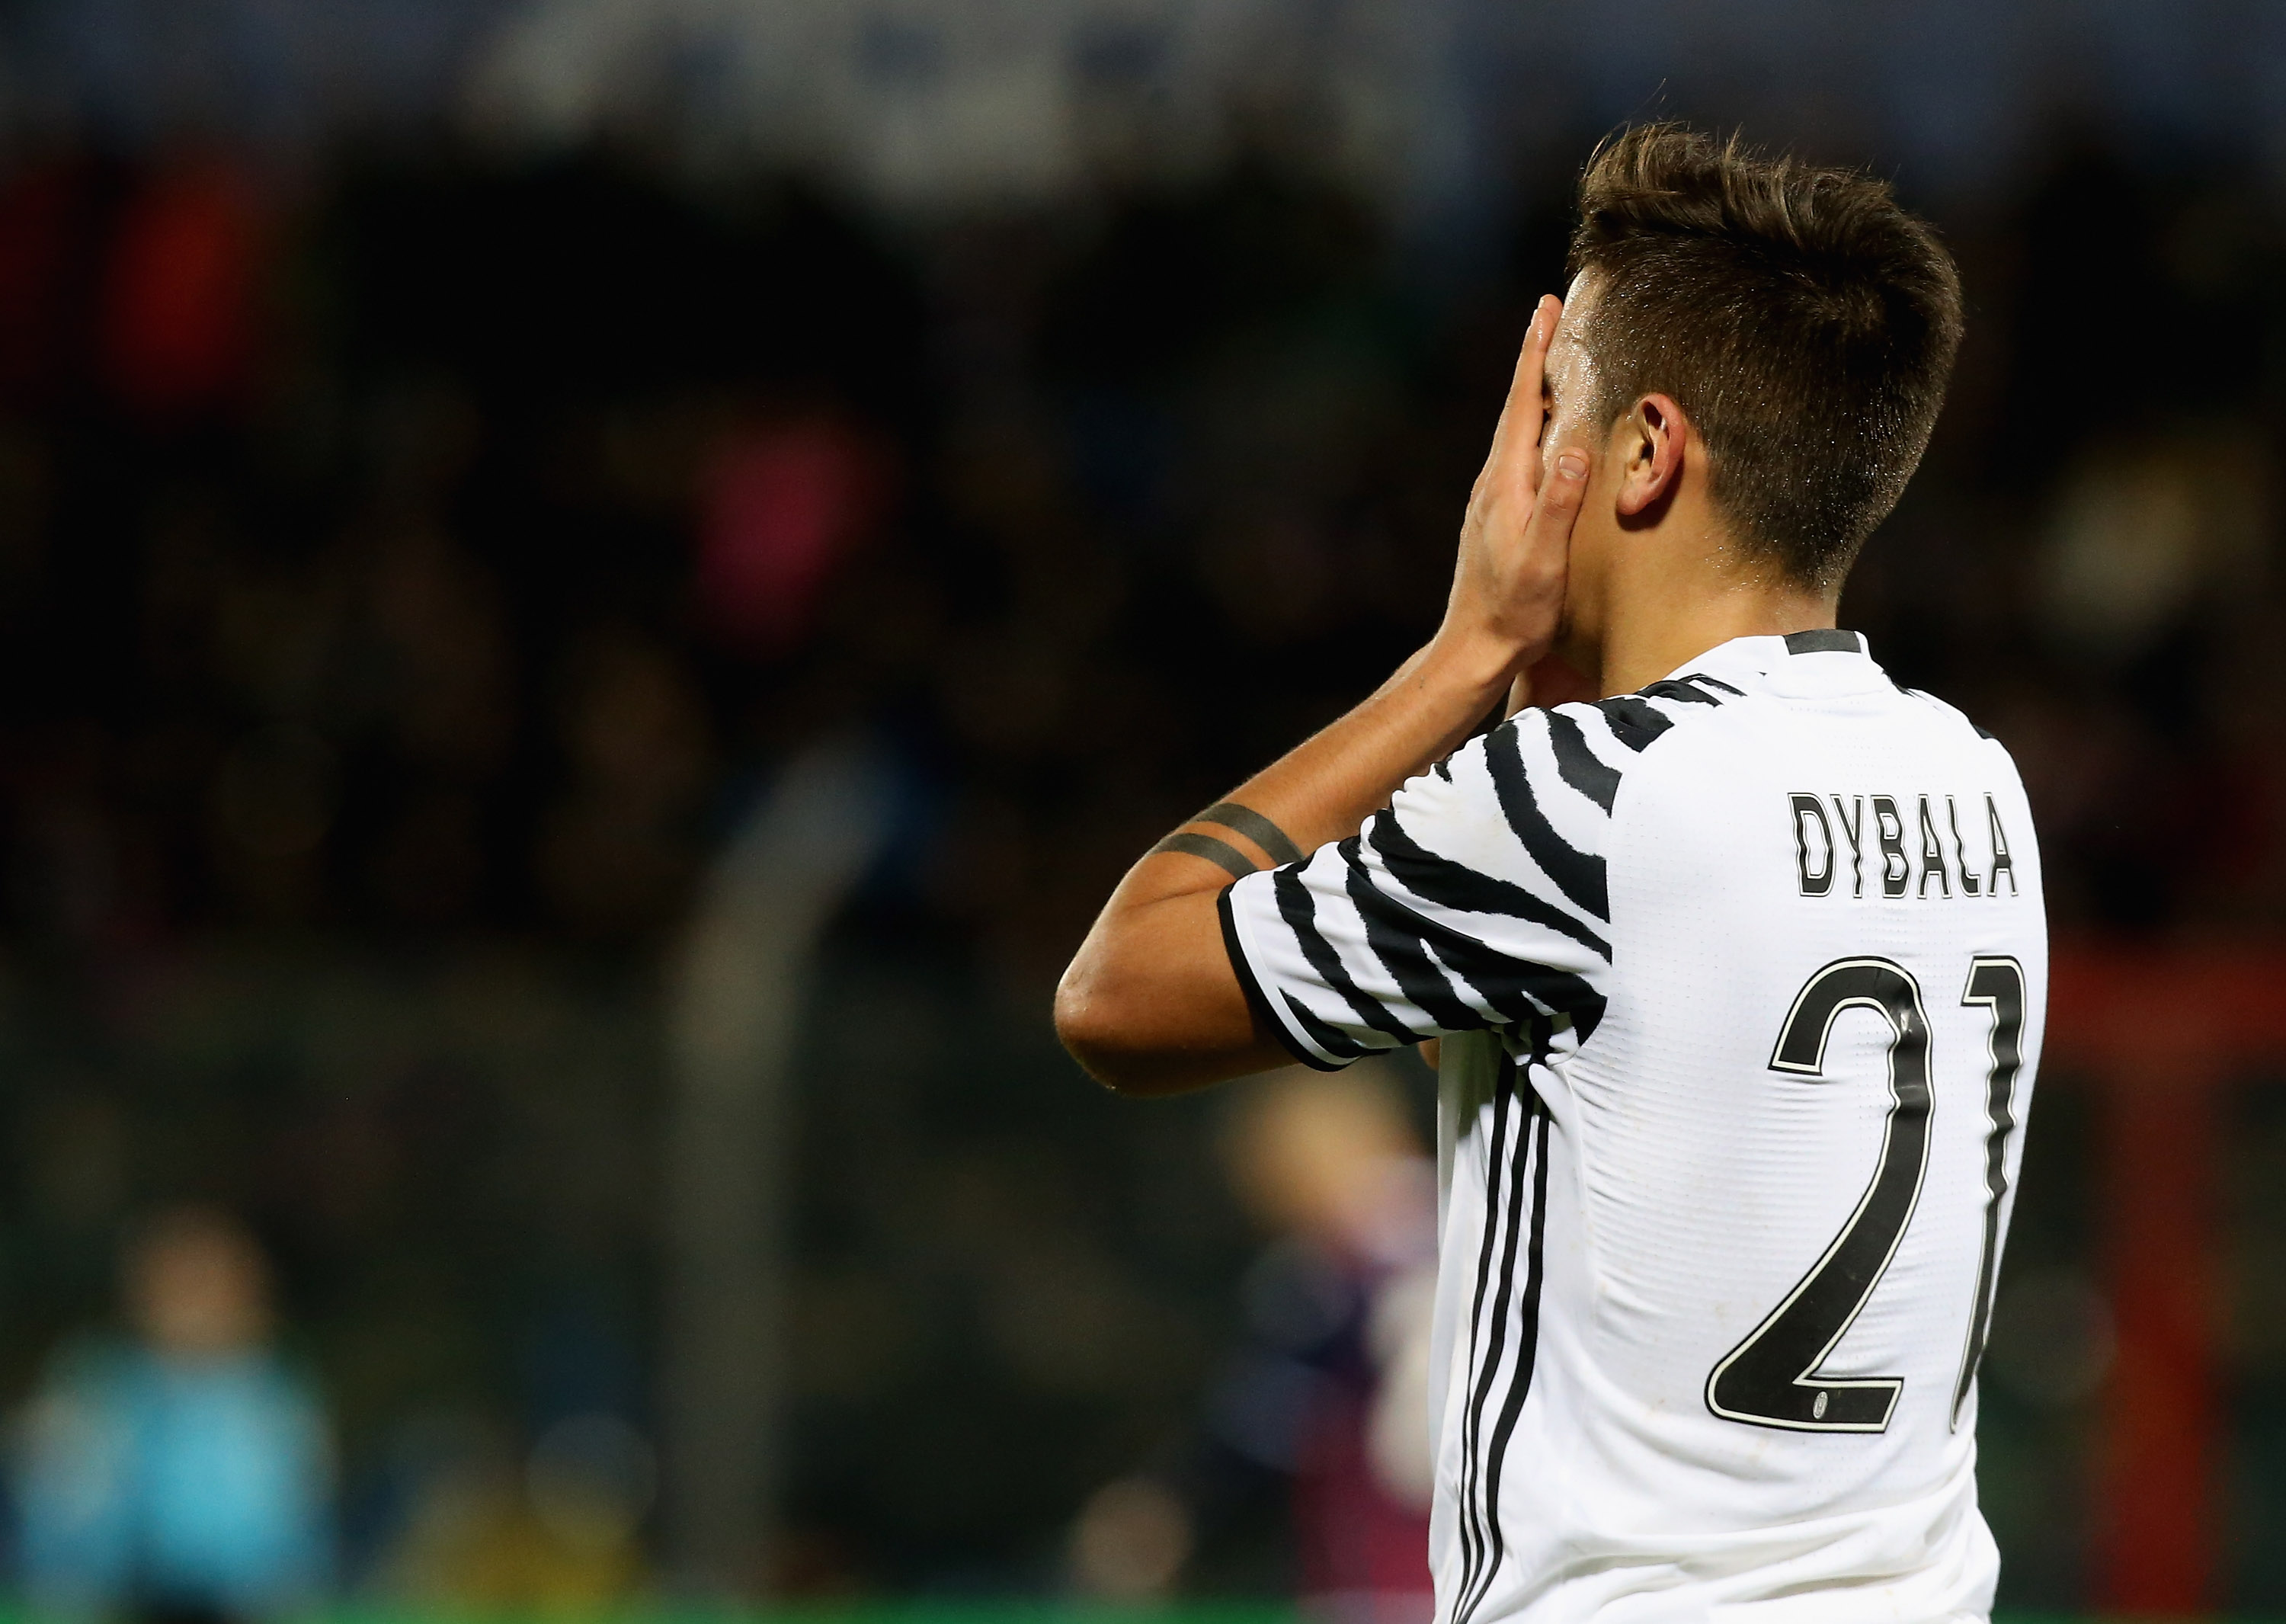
column 1508, row 585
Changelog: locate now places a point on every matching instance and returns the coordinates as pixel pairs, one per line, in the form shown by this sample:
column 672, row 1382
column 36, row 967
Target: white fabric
column 1657, row 1186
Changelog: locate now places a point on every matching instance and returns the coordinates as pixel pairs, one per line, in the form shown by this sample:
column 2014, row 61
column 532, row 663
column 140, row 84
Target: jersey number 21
column 1770, row 1379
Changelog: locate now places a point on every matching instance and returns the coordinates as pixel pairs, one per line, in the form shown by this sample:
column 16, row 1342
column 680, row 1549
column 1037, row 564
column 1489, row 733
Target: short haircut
column 1799, row 315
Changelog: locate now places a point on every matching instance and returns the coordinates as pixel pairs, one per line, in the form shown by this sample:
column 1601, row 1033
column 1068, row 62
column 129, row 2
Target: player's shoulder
column 1623, row 729
column 1586, row 747
column 1732, row 713
column 1691, row 702
column 1947, row 733
column 1953, row 716
column 1557, row 772
column 1739, row 718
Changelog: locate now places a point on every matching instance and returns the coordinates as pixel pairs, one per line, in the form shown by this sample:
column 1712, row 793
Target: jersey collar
column 1804, row 663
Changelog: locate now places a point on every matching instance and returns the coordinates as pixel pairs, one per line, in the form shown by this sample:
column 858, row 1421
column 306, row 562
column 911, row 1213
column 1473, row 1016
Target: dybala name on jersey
column 1881, row 839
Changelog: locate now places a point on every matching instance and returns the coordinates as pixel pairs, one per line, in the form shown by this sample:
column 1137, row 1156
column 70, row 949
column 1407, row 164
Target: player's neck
column 1669, row 602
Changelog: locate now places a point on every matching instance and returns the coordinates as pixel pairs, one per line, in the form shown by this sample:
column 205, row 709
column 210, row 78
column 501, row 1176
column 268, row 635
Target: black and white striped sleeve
column 1478, row 899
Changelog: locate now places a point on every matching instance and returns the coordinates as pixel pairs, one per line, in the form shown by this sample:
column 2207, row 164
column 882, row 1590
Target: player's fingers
column 1547, row 538
column 1516, row 438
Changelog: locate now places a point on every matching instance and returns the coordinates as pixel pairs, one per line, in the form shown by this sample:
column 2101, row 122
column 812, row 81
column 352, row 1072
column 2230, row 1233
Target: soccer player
column 1738, row 970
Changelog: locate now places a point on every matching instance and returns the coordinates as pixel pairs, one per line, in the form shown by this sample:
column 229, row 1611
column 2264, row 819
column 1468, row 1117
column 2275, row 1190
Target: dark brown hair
column 1801, row 318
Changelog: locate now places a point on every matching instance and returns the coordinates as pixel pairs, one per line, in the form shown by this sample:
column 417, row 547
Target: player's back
column 1718, row 1268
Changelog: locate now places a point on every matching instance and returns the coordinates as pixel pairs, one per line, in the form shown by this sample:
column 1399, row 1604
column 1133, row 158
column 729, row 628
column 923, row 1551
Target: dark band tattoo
column 1221, row 852
column 1254, row 827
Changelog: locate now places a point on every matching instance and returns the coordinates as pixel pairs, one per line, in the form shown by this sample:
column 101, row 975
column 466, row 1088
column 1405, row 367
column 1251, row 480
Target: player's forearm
column 1150, row 1003
column 1325, row 787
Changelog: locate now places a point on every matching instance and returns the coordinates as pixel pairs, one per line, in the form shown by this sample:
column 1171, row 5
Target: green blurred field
column 1011, row 1611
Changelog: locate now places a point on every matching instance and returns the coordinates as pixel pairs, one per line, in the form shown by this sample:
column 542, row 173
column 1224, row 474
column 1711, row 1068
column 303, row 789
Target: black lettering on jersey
column 1853, row 824
column 1818, row 879
column 1889, row 833
column 1932, row 856
column 1970, row 884
column 2002, row 862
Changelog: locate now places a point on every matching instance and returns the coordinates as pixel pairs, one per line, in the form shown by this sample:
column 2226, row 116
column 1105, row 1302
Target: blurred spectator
column 182, row 1475
column 778, row 506
column 178, row 322
column 561, row 1535
column 1331, row 1391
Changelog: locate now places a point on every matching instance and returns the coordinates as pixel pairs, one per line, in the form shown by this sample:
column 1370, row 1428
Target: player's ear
column 1650, row 454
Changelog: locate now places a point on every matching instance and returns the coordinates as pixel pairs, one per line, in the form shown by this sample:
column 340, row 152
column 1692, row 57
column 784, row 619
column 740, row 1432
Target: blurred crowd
column 412, row 571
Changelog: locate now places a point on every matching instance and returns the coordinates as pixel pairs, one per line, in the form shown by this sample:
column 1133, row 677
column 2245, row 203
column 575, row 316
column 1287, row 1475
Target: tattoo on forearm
column 1221, row 852
column 1254, row 827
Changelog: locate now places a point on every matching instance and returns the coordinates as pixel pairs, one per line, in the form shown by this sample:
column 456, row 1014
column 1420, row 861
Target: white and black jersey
column 1741, row 981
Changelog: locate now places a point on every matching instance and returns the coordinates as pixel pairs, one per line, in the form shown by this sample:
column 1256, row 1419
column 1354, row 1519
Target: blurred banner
column 960, row 103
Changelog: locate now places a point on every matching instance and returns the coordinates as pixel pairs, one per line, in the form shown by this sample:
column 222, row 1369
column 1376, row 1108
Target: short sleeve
column 1477, row 900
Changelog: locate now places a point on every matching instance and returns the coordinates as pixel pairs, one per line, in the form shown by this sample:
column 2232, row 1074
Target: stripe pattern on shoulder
column 1478, row 899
